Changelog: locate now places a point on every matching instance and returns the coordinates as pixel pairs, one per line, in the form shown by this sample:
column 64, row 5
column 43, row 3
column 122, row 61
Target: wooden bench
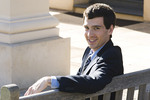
column 125, row 84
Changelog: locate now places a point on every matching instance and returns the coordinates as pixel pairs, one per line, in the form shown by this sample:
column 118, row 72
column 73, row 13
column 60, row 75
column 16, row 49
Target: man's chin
column 91, row 47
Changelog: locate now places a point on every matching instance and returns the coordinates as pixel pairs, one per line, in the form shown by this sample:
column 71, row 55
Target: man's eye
column 86, row 27
column 96, row 28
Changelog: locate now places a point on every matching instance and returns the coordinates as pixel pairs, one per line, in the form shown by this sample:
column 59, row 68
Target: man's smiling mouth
column 92, row 40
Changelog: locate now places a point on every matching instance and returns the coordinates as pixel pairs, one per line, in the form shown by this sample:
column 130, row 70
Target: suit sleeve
column 107, row 67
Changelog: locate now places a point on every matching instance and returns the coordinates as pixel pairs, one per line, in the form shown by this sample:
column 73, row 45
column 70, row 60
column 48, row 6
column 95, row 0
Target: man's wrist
column 49, row 81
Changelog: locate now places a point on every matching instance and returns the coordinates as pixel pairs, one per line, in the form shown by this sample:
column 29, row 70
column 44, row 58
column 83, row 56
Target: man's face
column 96, row 33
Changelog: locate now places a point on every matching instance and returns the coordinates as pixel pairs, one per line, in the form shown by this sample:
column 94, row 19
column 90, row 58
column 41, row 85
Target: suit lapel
column 106, row 46
column 94, row 61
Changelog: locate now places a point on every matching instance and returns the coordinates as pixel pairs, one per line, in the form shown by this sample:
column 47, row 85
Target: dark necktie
column 87, row 62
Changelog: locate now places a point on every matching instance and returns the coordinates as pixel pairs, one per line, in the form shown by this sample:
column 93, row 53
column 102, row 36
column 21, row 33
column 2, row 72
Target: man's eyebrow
column 96, row 26
column 85, row 25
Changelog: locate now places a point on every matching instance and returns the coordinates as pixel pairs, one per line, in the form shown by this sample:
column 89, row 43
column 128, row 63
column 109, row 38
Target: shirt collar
column 93, row 54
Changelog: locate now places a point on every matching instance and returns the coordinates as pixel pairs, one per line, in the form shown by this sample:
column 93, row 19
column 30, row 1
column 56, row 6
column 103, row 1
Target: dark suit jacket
column 107, row 64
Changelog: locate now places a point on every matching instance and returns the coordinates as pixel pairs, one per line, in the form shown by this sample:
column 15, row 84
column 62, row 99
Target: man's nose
column 90, row 33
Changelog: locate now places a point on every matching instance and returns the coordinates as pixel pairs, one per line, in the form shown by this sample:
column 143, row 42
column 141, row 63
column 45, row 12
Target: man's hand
column 40, row 85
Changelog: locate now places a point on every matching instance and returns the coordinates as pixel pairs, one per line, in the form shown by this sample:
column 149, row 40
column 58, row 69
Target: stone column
column 30, row 46
column 146, row 10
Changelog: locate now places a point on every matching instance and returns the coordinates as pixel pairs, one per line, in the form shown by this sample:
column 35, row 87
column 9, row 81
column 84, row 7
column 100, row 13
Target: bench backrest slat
column 119, row 95
column 130, row 93
column 107, row 96
column 142, row 90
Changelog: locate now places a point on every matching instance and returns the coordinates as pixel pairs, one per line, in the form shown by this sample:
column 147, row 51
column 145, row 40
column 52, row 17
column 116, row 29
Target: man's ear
column 110, row 31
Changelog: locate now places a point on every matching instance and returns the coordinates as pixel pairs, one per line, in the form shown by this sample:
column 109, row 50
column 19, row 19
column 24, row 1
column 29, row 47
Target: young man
column 101, row 60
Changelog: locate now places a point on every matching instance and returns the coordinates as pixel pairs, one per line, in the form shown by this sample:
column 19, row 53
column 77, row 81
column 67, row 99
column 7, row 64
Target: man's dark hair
column 101, row 10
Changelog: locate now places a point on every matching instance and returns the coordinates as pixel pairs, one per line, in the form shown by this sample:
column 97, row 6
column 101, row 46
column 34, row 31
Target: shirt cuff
column 54, row 82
